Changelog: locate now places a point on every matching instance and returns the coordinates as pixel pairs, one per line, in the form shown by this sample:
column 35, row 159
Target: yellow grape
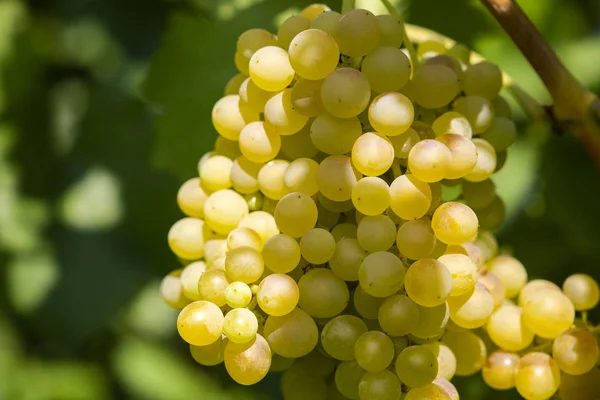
column 191, row 197
column 548, row 313
column 345, row 93
column 213, row 285
column 292, row 335
column 452, row 122
column 387, row 69
column 271, row 179
column 229, row 116
column 314, row 54
column 472, row 310
column 357, row 33
column 575, row 351
column 469, row 349
column 270, row 68
column 281, row 253
column 244, row 264
column 215, row 173
column 259, row 143
column 478, row 111
column 238, row 294
column 240, row 325
column 381, row 274
column 253, row 97
column 371, row 195
column 322, row 293
column 494, row 285
column 533, row 287
column 190, row 276
column 262, row 223
column 224, row 210
column 445, row 358
column 463, row 155
column 415, row 239
column 280, row 115
column 172, row 292
column 410, row 197
column 391, row 113
column 428, row 282
column 432, row 321
column 398, row 315
column 454, row 223
column 277, row 294
column 372, row 155
column 211, row 354
column 187, row 237
column 463, row 271
column 374, row 351
column 248, row 363
column 244, row 175
column 306, row 97
column 376, row 233
column 507, row 330
column 301, row 176
column 404, row 142
column 538, row 376
column 333, row 135
column 500, row 370
column 296, row 214
column 582, row 290
column 289, row 28
column 511, row 272
column 434, row 85
column 200, row 323
column 314, row 10
column 336, row 177
column 430, row 160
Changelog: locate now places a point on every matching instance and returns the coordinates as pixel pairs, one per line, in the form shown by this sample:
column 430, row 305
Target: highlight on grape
column 321, row 238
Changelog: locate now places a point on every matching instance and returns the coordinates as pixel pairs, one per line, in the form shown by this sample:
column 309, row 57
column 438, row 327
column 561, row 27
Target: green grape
column 463, row 271
column 314, row 54
column 445, row 358
column 376, row 233
column 463, row 155
column 345, row 93
column 253, row 39
column 575, row 351
column 416, row 366
column 500, row 370
column 415, row 239
column 270, row 179
column 270, row 68
column 381, row 274
column 244, row 175
column 211, row 354
column 240, row 237
column 299, row 145
column 214, row 249
column 301, row 176
column 582, row 290
column 253, row 97
column 386, row 68
column 538, row 376
column 486, row 161
column 238, row 294
column 279, row 363
column 212, row 286
column 233, row 84
column 534, row 287
column 280, row 115
column 507, row 330
column 347, row 379
column 306, row 97
column 248, row 363
column 262, row 223
column 404, row 142
column 200, row 323
column 190, row 276
column 374, row 351
column 336, row 178
column 579, row 387
column 371, row 195
column 511, row 272
column 299, row 383
column 501, row 134
column 187, row 236
column 334, row 135
column 322, row 293
column 317, row 246
column 335, row 206
column 314, row 10
column 340, row 334
column 478, row 111
column 438, row 250
column 482, row 79
column 381, row 385
column 432, row 321
column 357, row 33
column 473, row 309
column 434, row 85
column 327, row 219
column 327, row 21
column 372, row 155
column 345, row 230
column 448, row 61
column 365, row 304
column 469, row 349
column 281, row 253
column 501, row 107
column 431, row 48
column 191, row 197
column 242, row 63
column 277, row 294
column 240, row 325
column 452, row 122
column 244, row 264
column 171, row 290
column 296, row 214
column 479, row 194
column 229, row 116
column 430, row 160
column 391, row 114
column 492, row 215
column 392, row 31
column 428, row 282
column 410, row 197
column 259, row 143
column 398, row 315
column 494, row 285
column 454, row 223
column 289, row 28
column 292, row 335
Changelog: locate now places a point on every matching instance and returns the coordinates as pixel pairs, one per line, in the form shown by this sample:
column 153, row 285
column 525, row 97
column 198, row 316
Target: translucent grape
column 314, row 54
column 212, row 286
column 500, row 370
column 511, row 273
column 191, row 197
column 376, row 233
column 432, row 321
column 381, row 274
column 582, row 290
column 415, row 239
column 345, row 230
column 454, row 223
column 317, row 246
column 575, row 351
column 382, row 385
column 469, row 349
column 473, row 309
column 346, row 92
column 548, row 313
column 211, row 354
column 277, row 294
column 327, row 21
column 336, row 178
column 507, row 330
column 357, row 33
column 270, row 179
column 229, row 116
column 190, row 276
column 248, row 363
column 253, row 97
column 416, row 366
column 398, row 315
column 334, row 135
column 478, row 111
column 322, row 293
column 262, row 223
column 187, row 236
column 296, row 214
column 439, row 389
column 392, row 31
column 258, row 143
column 244, row 264
column 494, row 285
column 371, row 195
column 243, row 237
column 244, row 175
column 430, row 160
column 463, row 271
column 374, row 351
column 533, row 287
column 391, row 113
column 281, row 253
column 452, row 122
column 404, row 142
column 434, row 85
column 200, row 323
column 347, row 378
column 171, row 291
column 482, row 79
column 538, row 376
column 410, row 197
column 214, row 249
column 270, row 68
column 479, row 194
column 463, row 155
column 365, row 304
column 233, row 84
column 293, row 335
column 386, row 68
column 291, row 27
column 501, row 134
column 340, row 334
column 299, row 145
column 280, row 115
column 238, row 294
column 445, row 358
column 372, row 155
column 215, row 173
column 306, row 97
column 240, row 325
column 428, row 282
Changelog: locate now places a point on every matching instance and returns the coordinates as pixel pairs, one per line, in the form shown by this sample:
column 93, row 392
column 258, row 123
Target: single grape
column 322, row 293
column 171, row 290
column 372, row 155
column 238, row 294
column 240, row 237
column 381, row 385
column 200, row 323
column 482, row 79
column 291, row 27
column 240, row 325
column 410, row 197
column 292, row 335
column 248, row 363
column 478, row 111
column 533, row 287
column 415, row 239
column 507, row 330
column 381, row 274
column 270, row 68
column 452, row 122
column 454, row 223
column 314, row 54
column 336, row 177
column 346, row 259
column 376, row 233
column 582, row 290
column 430, row 160
column 191, row 197
column 347, row 379
column 428, row 282
column 327, row 21
column 463, row 155
column 340, row 334
column 280, row 115
column 575, row 351
column 357, row 33
column 500, row 370
column 190, row 276
column 469, row 349
column 386, row 68
column 211, row 354
column 229, row 116
column 463, row 271
column 296, row 214
column 374, row 351
column 281, row 253
column 511, row 272
column 371, row 195
column 548, row 313
column 187, row 237
column 244, row 264
column 538, row 376
column 398, row 315
column 434, row 85
column 416, row 366
column 253, row 97
column 262, row 223
column 366, row 305
column 317, row 246
column 432, row 321
column 473, row 309
column 212, row 286
column 345, row 93
column 278, row 294
column 392, row 31
column 445, row 357
column 306, row 97
column 345, row 230
column 333, row 135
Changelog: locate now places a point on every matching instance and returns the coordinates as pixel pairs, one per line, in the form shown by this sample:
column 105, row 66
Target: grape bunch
column 340, row 231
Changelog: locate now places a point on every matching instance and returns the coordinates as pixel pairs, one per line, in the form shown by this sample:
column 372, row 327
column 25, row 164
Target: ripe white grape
column 582, row 290
column 306, row 97
column 473, row 309
column 277, row 294
column 416, row 366
column 478, row 111
column 292, row 335
column 434, row 85
column 291, row 27
column 340, row 334
column 333, row 135
column 482, row 79
column 314, row 54
column 187, row 237
column 296, row 214
column 171, row 291
column 374, row 351
column 327, row 21
column 452, row 122
column 391, row 114
column 200, row 323
column 336, row 177
column 280, row 115
column 428, row 282
column 223, row 210
column 372, row 155
column 271, row 179
column 357, row 33
column 270, row 68
column 229, row 116
column 398, row 315
column 191, row 197
column 430, row 160
column 322, row 293
column 386, row 68
column 371, row 195
column 501, row 134
column 376, row 233
column 238, row 294
column 211, row 354
column 345, row 93
column 252, row 97
column 248, row 363
column 240, row 325
column 463, row 152
column 259, row 143
column 415, row 239
column 454, row 223
column 189, row 278
column 410, row 197
column 381, row 274
column 463, row 271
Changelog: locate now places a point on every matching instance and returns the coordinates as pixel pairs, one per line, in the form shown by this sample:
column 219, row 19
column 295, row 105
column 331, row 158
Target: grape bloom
column 315, row 242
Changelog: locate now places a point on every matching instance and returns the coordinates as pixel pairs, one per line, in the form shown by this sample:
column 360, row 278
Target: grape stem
column 575, row 107
column 407, row 42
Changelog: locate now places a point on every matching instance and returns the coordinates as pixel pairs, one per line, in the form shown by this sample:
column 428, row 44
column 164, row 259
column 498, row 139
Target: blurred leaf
column 149, row 315
column 582, row 58
column 69, row 103
column 21, row 230
column 30, row 278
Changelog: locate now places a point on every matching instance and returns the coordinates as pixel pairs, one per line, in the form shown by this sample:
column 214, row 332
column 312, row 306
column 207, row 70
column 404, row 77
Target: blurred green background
column 105, row 110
